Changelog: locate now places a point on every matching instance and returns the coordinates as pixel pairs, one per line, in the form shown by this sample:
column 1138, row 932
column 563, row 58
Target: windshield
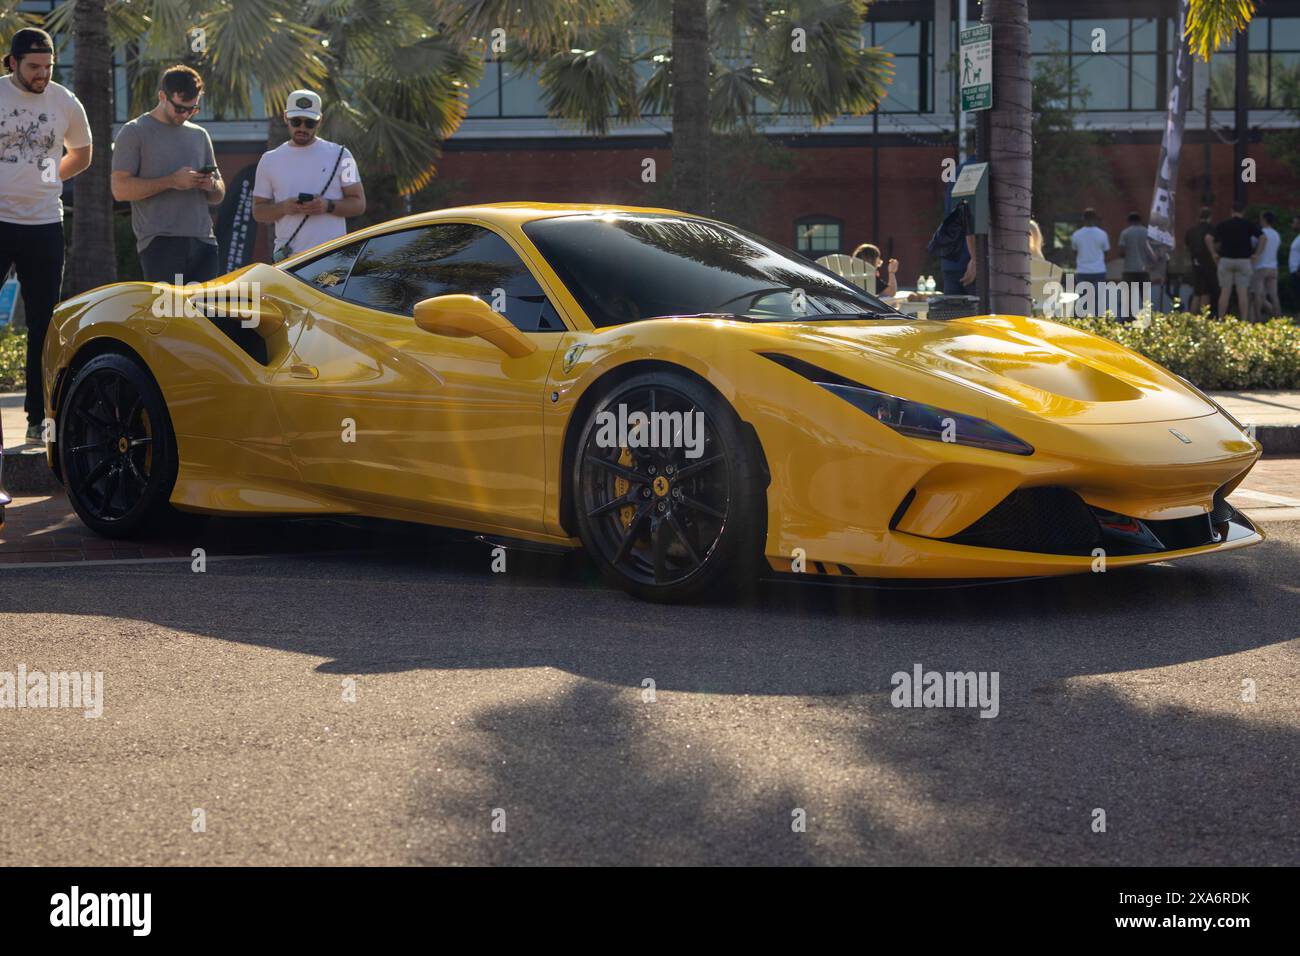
column 628, row 267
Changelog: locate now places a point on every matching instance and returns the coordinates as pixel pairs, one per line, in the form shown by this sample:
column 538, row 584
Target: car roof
column 506, row 214
column 522, row 212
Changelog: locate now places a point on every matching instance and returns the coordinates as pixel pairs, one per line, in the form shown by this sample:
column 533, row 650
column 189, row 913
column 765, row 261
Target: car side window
column 329, row 273
column 399, row 269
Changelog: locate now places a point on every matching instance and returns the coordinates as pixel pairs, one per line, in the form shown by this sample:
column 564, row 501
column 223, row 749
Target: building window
column 507, row 91
column 818, row 235
column 1136, row 66
column 1115, row 61
column 911, row 42
column 1274, row 44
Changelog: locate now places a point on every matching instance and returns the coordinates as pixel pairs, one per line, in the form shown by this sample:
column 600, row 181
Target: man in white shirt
column 1263, row 279
column 38, row 118
column 1090, row 244
column 307, row 186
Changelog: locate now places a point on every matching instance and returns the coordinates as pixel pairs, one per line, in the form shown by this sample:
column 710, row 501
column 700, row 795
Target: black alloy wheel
column 670, row 504
column 115, row 446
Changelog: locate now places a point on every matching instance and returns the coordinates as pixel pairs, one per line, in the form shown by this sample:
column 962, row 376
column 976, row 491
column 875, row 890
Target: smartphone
column 207, row 170
column 305, row 197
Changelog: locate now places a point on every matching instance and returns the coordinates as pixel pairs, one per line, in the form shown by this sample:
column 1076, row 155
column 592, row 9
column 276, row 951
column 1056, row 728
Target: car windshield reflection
column 632, row 267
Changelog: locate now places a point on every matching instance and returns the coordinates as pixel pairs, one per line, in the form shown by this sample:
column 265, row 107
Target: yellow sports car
column 683, row 399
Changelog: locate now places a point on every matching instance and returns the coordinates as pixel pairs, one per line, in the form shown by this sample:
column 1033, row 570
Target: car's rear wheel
column 669, row 523
column 116, row 447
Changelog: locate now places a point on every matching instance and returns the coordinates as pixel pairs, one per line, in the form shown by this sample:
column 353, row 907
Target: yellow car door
column 378, row 410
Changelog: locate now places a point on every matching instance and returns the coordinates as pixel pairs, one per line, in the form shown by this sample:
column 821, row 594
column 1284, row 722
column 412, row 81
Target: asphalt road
column 518, row 699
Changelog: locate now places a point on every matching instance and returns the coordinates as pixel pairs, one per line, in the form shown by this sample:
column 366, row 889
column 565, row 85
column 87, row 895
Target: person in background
column 306, row 165
column 1137, row 259
column 1263, row 281
column 1232, row 251
column 1041, row 272
column 1090, row 244
column 38, row 118
column 1035, row 240
column 1293, row 260
column 1200, row 248
column 164, row 166
column 1161, row 299
column 873, row 257
column 959, row 275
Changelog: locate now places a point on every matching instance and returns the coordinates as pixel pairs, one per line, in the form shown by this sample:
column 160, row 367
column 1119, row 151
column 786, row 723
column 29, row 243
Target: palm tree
column 393, row 86
column 603, row 60
column 1010, row 156
column 1212, row 23
column 691, row 132
column 95, row 260
column 1206, row 25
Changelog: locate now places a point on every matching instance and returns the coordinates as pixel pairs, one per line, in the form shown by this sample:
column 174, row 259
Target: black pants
column 36, row 253
column 167, row 257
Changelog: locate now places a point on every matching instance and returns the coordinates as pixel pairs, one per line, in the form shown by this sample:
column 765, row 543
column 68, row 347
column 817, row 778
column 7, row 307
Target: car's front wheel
column 668, row 492
column 116, row 448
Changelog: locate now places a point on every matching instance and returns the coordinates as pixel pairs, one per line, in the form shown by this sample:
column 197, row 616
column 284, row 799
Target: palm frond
column 734, row 93
column 833, row 73
column 536, row 28
column 259, row 40
column 593, row 80
column 1212, row 23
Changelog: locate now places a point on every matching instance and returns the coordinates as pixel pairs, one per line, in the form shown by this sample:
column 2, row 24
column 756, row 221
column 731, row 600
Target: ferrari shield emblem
column 571, row 357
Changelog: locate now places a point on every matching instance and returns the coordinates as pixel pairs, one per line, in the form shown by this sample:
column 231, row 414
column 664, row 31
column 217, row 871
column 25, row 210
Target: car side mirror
column 462, row 316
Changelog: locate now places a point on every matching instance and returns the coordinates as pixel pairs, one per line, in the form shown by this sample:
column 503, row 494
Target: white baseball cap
column 303, row 103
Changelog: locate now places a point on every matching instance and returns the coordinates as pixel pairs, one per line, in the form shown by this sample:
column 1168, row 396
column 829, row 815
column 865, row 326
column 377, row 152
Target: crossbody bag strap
column 337, row 160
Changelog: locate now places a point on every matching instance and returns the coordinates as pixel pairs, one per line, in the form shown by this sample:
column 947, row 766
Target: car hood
column 1039, row 367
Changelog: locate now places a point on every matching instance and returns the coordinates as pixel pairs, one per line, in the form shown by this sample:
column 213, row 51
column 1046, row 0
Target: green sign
column 975, row 61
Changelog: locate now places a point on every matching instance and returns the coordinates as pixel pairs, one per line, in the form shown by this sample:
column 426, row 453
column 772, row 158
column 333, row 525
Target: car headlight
column 913, row 419
column 916, row 420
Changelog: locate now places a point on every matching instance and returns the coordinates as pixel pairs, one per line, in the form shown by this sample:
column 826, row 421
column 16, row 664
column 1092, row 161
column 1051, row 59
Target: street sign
column 976, row 62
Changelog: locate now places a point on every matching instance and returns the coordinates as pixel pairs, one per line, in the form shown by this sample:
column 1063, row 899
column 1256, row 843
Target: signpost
column 976, row 62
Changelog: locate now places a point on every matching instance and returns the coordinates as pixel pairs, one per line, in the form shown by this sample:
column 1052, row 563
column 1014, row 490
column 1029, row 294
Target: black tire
column 662, row 525
column 117, row 451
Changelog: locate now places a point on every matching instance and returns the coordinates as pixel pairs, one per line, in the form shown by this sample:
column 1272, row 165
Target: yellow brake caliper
column 621, row 486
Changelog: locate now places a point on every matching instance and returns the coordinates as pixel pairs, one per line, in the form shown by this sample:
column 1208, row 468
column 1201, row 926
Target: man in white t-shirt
column 38, row 118
column 308, row 186
column 1263, row 277
column 1090, row 244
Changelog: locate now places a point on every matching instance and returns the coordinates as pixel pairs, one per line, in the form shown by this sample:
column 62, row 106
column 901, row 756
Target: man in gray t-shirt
column 1137, row 256
column 164, row 166
column 1137, row 262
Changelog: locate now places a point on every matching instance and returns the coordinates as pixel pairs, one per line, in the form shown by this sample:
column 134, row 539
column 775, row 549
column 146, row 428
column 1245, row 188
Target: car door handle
column 303, row 371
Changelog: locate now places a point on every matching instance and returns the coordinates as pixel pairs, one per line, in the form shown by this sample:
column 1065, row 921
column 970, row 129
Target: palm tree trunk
column 1010, row 157
column 94, row 251
column 691, row 126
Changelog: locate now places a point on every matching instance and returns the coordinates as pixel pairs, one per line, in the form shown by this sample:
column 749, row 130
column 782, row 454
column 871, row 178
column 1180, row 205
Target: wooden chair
column 858, row 271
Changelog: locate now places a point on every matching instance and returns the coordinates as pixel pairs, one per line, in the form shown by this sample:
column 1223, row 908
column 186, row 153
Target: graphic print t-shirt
column 34, row 128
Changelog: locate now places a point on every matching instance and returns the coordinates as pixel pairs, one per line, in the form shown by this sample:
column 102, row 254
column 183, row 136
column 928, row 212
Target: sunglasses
column 181, row 109
column 302, row 121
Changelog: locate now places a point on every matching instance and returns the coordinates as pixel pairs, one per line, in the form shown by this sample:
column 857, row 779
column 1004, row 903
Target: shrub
column 1227, row 354
column 13, row 361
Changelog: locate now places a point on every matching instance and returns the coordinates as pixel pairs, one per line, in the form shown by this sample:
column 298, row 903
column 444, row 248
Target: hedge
column 1215, row 354
column 1226, row 354
column 13, row 361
